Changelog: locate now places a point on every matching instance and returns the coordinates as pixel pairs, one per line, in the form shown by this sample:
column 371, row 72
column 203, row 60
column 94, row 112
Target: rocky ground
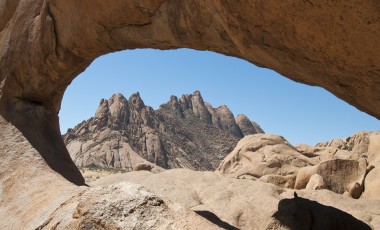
column 182, row 133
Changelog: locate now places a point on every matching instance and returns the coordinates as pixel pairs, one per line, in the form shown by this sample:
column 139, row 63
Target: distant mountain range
column 183, row 133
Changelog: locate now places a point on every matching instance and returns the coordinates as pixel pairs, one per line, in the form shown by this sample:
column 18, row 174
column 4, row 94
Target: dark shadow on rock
column 299, row 213
column 215, row 220
column 41, row 128
column 310, row 155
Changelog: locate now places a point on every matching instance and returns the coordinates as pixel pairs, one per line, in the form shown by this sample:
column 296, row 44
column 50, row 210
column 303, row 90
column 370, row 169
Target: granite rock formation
column 263, row 154
column 46, row 44
column 185, row 132
column 346, row 167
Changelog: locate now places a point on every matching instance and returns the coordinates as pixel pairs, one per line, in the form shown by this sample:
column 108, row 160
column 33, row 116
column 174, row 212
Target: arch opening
column 64, row 39
column 302, row 114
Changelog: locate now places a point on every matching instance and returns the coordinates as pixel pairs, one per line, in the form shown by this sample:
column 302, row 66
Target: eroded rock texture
column 46, row 44
column 247, row 204
column 182, row 133
column 345, row 166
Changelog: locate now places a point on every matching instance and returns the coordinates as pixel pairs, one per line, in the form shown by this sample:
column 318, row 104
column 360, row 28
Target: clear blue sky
column 300, row 113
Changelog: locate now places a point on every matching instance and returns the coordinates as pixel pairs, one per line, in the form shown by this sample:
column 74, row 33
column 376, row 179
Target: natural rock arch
column 45, row 44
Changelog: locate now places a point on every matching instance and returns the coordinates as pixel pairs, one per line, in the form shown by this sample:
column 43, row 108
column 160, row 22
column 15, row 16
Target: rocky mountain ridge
column 185, row 132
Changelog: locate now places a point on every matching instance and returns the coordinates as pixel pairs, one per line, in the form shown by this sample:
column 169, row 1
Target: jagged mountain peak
column 136, row 102
column 186, row 132
column 117, row 95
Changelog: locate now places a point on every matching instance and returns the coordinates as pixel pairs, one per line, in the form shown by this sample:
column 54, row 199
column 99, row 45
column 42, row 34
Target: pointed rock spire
column 227, row 121
column 199, row 107
column 175, row 106
column 119, row 111
column 247, row 126
column 136, row 102
column 101, row 116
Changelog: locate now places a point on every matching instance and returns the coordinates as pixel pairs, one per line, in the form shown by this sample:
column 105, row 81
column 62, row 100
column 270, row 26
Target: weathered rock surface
column 362, row 146
column 263, row 154
column 122, row 206
column 247, row 204
column 340, row 176
column 281, row 181
column 33, row 196
column 332, row 53
column 185, row 133
column 46, row 44
column 29, row 189
column 347, row 166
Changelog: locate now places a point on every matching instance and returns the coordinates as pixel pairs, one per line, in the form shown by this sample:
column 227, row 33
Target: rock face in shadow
column 29, row 189
column 300, row 213
column 186, row 133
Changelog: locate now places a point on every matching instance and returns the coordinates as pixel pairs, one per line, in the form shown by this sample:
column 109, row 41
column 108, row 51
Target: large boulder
column 337, row 175
column 122, row 206
column 263, row 154
column 360, row 147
